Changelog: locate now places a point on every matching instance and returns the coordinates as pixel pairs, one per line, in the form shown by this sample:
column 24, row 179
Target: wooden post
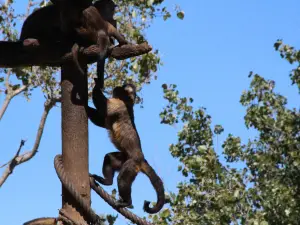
column 74, row 143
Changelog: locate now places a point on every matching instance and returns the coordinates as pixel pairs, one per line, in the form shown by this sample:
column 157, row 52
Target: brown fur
column 116, row 115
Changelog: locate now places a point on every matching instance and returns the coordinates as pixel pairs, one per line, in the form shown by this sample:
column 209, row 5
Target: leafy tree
column 266, row 189
column 134, row 17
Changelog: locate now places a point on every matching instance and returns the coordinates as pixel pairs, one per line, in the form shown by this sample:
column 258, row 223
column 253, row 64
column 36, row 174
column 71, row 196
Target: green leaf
column 150, row 2
column 180, row 15
column 264, row 223
column 165, row 213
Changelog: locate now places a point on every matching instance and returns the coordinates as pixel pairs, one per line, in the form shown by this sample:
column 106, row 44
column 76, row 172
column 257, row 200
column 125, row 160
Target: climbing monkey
column 116, row 115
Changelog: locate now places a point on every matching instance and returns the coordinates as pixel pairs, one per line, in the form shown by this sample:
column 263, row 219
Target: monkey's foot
column 130, row 207
column 31, row 42
column 122, row 204
column 101, row 180
column 123, row 43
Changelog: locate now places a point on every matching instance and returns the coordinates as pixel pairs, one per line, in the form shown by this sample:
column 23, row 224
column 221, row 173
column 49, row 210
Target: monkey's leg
column 31, row 42
column 103, row 43
column 112, row 162
column 75, row 50
column 126, row 177
column 112, row 31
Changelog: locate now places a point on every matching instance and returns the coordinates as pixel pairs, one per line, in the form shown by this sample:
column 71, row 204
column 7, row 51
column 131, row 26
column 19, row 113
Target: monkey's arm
column 95, row 116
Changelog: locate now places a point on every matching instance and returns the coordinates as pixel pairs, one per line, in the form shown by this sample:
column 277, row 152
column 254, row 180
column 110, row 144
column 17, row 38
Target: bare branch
column 12, row 164
column 58, row 53
column 10, row 94
column 19, row 159
column 6, row 82
column 19, row 90
column 4, row 106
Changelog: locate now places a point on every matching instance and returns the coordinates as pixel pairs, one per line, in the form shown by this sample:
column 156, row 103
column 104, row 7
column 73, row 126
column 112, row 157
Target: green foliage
column 292, row 56
column 265, row 190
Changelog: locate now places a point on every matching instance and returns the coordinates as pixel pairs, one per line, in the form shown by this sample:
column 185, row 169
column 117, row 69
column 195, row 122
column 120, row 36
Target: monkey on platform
column 82, row 23
column 117, row 116
column 95, row 29
column 45, row 25
column 42, row 27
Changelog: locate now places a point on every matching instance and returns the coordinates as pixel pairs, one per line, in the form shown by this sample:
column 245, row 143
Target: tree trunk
column 74, row 143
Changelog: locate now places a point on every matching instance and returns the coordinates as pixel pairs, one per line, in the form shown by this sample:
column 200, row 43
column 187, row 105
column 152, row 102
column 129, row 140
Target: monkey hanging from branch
column 79, row 23
column 93, row 26
column 117, row 116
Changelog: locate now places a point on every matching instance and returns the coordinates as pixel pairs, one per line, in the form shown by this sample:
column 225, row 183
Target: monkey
column 42, row 27
column 95, row 29
column 83, row 23
column 116, row 115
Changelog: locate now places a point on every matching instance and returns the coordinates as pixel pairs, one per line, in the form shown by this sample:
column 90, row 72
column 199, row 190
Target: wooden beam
column 15, row 54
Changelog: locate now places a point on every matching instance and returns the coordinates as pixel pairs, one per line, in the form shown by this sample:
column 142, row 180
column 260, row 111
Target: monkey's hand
column 101, row 180
column 123, row 42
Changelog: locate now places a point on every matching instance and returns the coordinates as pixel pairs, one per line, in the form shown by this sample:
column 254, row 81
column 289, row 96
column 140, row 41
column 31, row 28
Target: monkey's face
column 126, row 93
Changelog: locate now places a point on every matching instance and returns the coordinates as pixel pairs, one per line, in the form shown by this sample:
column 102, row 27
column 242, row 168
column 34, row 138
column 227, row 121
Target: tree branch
column 4, row 106
column 59, row 53
column 10, row 94
column 19, row 90
column 19, row 159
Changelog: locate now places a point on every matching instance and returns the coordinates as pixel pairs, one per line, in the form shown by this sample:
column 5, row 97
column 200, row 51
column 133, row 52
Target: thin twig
column 19, row 159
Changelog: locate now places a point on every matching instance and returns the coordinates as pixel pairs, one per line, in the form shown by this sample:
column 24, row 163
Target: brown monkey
column 116, row 115
column 96, row 30
column 82, row 23
column 42, row 26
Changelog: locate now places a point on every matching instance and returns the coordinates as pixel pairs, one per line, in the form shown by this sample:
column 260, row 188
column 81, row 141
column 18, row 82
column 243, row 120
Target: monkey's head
column 126, row 93
column 106, row 8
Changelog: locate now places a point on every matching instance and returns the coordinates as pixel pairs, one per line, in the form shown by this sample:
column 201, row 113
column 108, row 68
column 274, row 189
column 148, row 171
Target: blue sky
column 208, row 55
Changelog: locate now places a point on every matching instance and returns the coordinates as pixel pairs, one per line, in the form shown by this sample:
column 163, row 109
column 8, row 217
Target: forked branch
column 19, row 159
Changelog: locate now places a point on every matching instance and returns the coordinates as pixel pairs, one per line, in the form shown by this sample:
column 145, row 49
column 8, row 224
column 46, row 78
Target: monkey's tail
column 158, row 186
column 75, row 50
column 103, row 42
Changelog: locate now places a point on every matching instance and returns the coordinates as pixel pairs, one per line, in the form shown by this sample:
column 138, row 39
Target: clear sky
column 209, row 55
